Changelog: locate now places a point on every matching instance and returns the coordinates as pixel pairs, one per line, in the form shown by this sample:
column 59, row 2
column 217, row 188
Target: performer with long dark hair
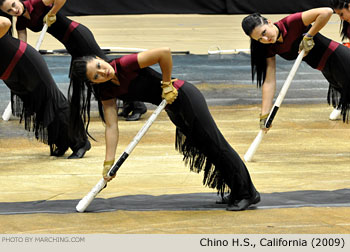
column 32, row 14
column 77, row 38
column 286, row 38
column 342, row 9
column 197, row 136
column 36, row 98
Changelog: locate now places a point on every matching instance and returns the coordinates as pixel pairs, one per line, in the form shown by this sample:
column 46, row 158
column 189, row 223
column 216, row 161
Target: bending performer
column 77, row 38
column 286, row 38
column 197, row 136
column 37, row 99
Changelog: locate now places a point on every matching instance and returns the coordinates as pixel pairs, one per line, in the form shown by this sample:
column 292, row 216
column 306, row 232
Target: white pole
column 85, row 202
column 335, row 115
column 255, row 144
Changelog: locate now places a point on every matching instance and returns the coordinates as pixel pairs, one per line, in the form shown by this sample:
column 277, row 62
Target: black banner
column 119, row 7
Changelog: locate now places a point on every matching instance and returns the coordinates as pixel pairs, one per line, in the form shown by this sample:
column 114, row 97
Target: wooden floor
column 194, row 33
column 306, row 152
column 303, row 151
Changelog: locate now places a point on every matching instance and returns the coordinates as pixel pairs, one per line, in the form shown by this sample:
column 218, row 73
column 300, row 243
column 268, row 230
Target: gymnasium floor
column 304, row 153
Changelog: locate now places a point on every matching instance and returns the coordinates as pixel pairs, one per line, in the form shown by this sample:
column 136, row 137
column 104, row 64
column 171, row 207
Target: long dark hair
column 258, row 51
column 79, row 94
column 344, row 25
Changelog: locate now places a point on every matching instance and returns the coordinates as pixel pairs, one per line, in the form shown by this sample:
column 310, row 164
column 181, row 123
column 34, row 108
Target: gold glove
column 307, row 44
column 49, row 19
column 107, row 165
column 169, row 91
column 263, row 119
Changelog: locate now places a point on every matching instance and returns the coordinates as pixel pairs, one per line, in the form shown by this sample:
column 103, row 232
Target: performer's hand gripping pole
column 255, row 144
column 85, row 202
column 8, row 111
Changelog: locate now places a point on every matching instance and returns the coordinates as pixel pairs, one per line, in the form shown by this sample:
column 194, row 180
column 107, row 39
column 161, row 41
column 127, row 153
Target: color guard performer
column 37, row 100
column 77, row 38
column 287, row 38
column 342, row 9
column 197, row 136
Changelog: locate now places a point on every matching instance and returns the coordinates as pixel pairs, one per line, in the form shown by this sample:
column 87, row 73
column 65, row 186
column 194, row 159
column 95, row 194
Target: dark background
column 113, row 7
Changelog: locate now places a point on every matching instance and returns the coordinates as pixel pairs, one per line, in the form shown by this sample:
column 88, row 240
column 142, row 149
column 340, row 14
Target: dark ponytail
column 258, row 55
column 344, row 25
column 79, row 95
column 258, row 51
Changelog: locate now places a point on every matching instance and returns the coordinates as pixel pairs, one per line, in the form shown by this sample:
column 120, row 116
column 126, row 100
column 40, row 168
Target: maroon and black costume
column 77, row 38
column 36, row 98
column 328, row 56
column 197, row 136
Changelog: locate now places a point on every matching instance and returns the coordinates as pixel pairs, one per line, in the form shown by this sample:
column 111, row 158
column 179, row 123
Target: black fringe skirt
column 336, row 71
column 204, row 147
column 38, row 102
